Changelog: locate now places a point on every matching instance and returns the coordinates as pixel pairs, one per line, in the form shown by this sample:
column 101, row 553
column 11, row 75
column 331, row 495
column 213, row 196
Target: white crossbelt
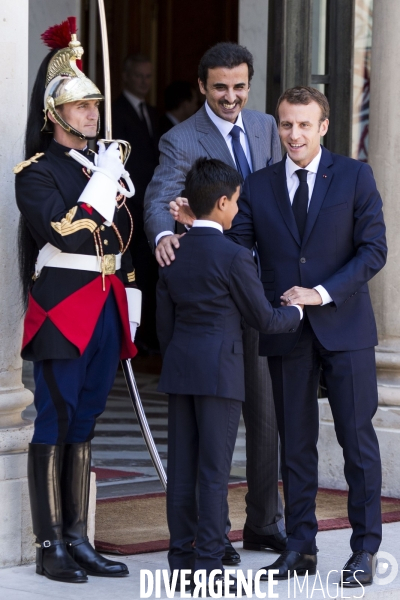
column 50, row 256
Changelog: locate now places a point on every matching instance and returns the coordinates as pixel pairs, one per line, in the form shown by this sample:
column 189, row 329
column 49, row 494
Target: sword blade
column 126, row 364
column 144, row 425
column 106, row 70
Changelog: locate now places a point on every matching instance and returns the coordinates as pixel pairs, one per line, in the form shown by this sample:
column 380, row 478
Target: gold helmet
column 65, row 82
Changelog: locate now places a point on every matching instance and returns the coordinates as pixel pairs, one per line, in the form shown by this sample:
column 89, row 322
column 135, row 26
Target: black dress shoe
column 359, row 569
column 253, row 541
column 291, row 561
column 231, row 557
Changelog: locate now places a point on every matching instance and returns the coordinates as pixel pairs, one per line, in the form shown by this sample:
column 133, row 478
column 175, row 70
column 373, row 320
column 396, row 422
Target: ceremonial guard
column 82, row 304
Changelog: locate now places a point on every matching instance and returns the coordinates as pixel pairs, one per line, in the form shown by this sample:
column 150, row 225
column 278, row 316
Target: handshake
column 181, row 212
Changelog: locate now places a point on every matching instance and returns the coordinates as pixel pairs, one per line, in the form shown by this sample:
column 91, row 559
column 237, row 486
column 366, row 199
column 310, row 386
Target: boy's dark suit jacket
column 201, row 298
column 343, row 247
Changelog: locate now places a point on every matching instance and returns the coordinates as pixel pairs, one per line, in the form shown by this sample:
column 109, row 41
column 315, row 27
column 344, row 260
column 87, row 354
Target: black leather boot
column 52, row 558
column 75, row 480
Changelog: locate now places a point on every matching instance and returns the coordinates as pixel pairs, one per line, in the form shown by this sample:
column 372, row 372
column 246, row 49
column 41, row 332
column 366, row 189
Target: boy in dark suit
column 201, row 299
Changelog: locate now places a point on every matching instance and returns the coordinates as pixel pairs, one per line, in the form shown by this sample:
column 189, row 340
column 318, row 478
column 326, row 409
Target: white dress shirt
column 136, row 102
column 207, row 223
column 292, row 182
column 215, row 225
column 224, row 127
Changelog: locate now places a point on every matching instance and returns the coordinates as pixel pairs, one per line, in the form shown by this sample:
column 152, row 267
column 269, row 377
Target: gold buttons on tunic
column 102, row 228
column 105, row 242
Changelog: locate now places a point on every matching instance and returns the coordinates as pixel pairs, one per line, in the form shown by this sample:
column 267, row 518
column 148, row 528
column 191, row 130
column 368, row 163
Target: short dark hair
column 134, row 58
column 305, row 95
column 225, row 54
column 176, row 93
column 208, row 180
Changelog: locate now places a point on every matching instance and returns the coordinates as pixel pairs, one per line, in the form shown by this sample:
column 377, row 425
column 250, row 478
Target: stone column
column 384, row 152
column 253, row 33
column 384, row 132
column 44, row 14
column 15, row 433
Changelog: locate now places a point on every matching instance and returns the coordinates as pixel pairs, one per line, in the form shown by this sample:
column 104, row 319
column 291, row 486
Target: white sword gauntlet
column 134, row 297
column 101, row 189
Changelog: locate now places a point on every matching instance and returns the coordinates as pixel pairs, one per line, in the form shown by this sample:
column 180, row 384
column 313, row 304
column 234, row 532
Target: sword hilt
column 124, row 148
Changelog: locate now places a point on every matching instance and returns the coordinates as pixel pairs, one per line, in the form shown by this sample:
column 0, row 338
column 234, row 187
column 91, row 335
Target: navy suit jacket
column 343, row 247
column 201, row 298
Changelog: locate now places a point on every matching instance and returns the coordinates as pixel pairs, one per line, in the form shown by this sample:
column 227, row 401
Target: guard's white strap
column 128, row 192
column 134, row 297
column 50, row 256
column 47, row 253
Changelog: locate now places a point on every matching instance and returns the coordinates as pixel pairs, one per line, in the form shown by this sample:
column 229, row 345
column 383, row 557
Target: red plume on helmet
column 59, row 36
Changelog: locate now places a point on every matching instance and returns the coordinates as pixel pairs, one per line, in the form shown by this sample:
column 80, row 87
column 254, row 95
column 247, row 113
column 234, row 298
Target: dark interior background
column 173, row 33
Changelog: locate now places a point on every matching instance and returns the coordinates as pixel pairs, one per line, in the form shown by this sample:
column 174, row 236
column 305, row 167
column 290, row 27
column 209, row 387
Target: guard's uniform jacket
column 65, row 304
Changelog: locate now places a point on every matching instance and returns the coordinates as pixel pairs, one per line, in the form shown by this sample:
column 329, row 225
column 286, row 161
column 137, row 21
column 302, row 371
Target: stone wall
column 253, row 33
column 15, row 433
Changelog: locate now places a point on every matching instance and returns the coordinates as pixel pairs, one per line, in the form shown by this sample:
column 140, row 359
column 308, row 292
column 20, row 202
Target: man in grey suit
column 248, row 141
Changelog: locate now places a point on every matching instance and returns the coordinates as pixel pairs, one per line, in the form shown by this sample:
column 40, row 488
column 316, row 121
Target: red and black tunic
column 64, row 304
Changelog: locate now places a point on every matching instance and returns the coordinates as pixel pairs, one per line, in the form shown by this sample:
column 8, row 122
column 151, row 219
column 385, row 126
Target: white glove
column 104, row 184
column 134, row 298
column 133, row 327
column 109, row 160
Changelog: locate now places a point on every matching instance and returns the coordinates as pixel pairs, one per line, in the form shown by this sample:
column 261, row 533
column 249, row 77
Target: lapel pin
column 324, row 176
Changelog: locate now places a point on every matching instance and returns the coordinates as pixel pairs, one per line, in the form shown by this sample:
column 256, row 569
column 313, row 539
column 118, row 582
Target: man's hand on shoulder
column 165, row 249
column 180, row 210
column 301, row 296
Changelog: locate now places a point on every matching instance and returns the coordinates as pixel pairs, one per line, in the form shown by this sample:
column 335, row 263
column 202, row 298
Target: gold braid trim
column 131, row 276
column 25, row 163
column 66, row 227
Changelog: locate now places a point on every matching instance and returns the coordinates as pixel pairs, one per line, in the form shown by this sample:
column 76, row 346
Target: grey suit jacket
column 192, row 139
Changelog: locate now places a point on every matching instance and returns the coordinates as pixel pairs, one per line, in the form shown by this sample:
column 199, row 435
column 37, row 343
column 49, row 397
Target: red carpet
column 137, row 524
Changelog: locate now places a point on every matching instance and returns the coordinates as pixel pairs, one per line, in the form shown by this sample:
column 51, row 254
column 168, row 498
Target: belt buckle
column 109, row 264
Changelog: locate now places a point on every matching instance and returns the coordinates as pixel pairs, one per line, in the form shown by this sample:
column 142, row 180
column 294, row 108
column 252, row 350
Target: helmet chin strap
column 66, row 126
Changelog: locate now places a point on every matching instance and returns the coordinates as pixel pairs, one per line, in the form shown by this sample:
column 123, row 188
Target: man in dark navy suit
column 201, row 299
column 318, row 223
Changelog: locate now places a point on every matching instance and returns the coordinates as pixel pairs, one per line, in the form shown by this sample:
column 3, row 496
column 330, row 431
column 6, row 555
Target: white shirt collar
column 224, row 127
column 134, row 100
column 207, row 223
column 291, row 167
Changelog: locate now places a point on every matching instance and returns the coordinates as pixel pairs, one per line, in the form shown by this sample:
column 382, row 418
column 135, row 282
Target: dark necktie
column 240, row 157
column 300, row 201
column 141, row 105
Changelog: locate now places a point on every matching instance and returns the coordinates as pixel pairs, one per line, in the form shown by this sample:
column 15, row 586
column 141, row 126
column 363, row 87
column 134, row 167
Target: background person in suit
column 318, row 223
column 180, row 103
column 201, row 299
column 225, row 72
column 137, row 122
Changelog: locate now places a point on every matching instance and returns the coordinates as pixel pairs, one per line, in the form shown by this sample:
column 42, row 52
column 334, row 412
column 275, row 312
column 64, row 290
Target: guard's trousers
column 71, row 393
